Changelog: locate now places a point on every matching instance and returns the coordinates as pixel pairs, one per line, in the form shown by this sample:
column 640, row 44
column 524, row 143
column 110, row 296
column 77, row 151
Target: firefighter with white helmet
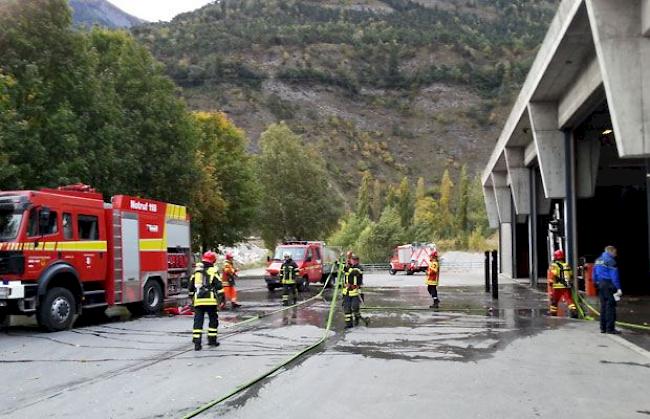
column 206, row 291
column 289, row 272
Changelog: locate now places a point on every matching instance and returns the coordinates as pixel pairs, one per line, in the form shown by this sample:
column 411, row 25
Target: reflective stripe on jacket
column 352, row 281
column 289, row 272
column 432, row 272
column 561, row 274
column 205, row 287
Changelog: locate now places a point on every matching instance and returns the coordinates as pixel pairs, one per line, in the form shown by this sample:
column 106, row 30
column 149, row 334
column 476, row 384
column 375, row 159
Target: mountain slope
column 101, row 13
column 397, row 87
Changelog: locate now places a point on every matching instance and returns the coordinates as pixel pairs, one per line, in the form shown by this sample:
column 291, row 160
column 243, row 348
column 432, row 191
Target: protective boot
column 212, row 341
column 357, row 318
column 197, row 344
column 285, row 303
column 436, row 303
column 235, row 305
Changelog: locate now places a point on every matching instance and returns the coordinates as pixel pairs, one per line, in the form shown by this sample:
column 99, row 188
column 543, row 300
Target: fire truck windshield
column 9, row 224
column 297, row 253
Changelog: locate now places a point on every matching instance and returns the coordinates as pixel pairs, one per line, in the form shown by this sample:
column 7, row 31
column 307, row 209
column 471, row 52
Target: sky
column 155, row 10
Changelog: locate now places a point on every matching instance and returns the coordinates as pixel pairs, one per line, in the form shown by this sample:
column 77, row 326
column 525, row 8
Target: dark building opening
column 617, row 214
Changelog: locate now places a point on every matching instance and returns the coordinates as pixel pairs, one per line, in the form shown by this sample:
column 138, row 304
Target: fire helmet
column 558, row 255
column 433, row 254
column 209, row 257
column 229, row 256
column 286, row 255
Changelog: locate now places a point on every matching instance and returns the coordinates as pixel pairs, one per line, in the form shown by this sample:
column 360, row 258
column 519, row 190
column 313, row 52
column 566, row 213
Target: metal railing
column 447, row 266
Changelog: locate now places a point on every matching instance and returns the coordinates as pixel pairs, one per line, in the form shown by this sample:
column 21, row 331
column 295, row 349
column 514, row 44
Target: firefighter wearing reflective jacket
column 288, row 273
column 433, row 273
column 206, row 291
column 560, row 283
column 228, row 276
column 351, row 291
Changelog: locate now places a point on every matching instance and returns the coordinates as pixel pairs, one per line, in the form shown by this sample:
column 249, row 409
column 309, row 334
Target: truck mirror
column 268, row 259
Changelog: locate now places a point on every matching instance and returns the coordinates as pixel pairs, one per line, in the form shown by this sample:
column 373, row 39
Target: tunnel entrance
column 617, row 212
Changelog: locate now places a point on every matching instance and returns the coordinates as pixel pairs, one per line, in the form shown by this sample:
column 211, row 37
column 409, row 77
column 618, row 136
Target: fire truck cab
column 314, row 259
column 64, row 250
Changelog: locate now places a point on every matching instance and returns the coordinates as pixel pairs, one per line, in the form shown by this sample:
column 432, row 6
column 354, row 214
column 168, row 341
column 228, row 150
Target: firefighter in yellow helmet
column 206, row 291
column 351, row 291
column 433, row 275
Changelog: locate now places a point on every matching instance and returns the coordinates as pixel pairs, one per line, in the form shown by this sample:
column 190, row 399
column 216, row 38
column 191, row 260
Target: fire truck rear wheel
column 57, row 310
column 392, row 271
column 409, row 272
column 152, row 297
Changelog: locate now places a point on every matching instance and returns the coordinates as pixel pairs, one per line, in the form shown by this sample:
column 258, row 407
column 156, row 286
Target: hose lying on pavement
column 286, row 362
column 623, row 324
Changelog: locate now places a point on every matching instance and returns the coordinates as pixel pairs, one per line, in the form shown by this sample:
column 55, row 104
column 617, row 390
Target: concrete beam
column 566, row 11
column 582, row 97
column 549, row 142
column 624, row 58
column 491, row 206
column 502, row 196
column 530, row 154
column 588, row 157
column 645, row 18
column 518, row 179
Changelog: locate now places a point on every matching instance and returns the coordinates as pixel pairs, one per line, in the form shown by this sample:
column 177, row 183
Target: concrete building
column 578, row 138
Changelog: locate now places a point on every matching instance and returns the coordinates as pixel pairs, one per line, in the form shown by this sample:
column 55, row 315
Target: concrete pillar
column 645, row 18
column 502, row 196
column 532, row 230
column 491, row 206
column 505, row 248
column 518, row 179
column 549, row 142
column 543, row 203
column 624, row 58
column 588, row 157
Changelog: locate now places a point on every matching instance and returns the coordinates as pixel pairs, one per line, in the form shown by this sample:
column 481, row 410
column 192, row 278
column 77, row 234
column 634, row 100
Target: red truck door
column 91, row 246
column 313, row 264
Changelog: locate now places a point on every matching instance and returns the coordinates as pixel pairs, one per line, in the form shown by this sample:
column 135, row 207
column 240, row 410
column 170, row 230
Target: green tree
column 420, row 189
column 224, row 147
column 462, row 207
column 364, row 197
column 405, row 203
column 377, row 200
column 350, row 228
column 445, row 219
column 392, row 199
column 296, row 201
column 377, row 240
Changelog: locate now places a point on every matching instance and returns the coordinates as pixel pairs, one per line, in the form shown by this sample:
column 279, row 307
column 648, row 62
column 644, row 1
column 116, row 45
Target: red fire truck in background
column 411, row 258
column 314, row 259
column 64, row 250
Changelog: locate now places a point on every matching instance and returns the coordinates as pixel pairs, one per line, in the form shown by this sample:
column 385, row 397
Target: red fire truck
column 411, row 258
column 314, row 259
column 64, row 250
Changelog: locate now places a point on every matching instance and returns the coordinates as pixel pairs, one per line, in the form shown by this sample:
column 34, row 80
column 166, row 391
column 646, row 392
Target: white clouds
column 155, row 10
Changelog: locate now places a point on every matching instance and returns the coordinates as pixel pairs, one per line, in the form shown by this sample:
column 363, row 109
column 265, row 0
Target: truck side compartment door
column 131, row 258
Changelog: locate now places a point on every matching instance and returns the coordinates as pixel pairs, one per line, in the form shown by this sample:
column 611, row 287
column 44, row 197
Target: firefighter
column 433, row 272
column 206, row 291
column 609, row 289
column 560, row 282
column 352, row 282
column 288, row 273
column 228, row 276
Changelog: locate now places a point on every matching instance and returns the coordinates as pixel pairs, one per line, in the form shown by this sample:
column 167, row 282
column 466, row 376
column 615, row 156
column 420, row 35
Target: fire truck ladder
column 117, row 256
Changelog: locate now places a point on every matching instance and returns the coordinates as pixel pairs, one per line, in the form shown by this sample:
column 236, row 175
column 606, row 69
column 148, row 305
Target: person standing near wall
column 609, row 289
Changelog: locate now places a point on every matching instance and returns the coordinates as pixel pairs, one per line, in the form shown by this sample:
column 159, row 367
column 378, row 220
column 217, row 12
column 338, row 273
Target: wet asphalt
column 474, row 357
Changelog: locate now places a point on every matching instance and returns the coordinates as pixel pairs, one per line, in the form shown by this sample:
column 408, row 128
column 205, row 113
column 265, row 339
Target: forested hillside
column 396, row 87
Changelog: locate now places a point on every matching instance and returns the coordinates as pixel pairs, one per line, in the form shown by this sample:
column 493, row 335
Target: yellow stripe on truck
column 152, row 245
column 82, row 246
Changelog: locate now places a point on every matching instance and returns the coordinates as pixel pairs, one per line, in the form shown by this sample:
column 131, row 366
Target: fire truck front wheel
column 57, row 310
column 392, row 271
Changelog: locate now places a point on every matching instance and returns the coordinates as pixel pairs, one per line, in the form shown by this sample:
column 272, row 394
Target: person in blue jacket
column 609, row 289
